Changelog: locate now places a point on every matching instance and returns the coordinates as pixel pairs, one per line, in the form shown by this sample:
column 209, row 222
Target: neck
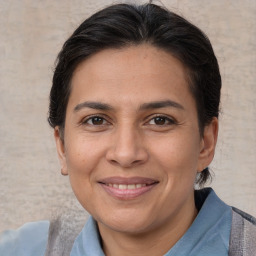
column 156, row 241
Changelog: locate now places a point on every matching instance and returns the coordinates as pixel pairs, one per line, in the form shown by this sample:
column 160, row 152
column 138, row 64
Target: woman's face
column 131, row 145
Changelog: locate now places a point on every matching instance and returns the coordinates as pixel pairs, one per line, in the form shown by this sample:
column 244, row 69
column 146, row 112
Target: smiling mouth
column 127, row 188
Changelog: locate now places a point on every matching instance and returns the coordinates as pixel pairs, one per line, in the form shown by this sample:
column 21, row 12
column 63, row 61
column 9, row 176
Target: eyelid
column 164, row 116
column 85, row 120
column 107, row 119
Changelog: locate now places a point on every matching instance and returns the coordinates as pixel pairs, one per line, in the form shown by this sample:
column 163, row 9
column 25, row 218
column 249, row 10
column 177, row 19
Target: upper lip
column 127, row 181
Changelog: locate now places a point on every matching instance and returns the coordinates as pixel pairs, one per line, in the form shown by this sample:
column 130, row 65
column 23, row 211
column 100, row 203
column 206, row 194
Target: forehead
column 143, row 58
column 129, row 74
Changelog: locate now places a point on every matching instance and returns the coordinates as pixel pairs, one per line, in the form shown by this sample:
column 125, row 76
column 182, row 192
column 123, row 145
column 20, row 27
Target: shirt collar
column 210, row 232
column 208, row 235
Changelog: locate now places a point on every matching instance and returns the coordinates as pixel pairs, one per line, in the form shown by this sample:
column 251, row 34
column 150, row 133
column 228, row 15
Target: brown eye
column 161, row 120
column 96, row 120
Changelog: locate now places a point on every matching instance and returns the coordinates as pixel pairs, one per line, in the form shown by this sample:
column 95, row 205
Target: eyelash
column 170, row 121
column 86, row 120
column 167, row 120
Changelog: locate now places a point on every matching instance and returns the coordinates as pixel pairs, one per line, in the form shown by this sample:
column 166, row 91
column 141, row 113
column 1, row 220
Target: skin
column 128, row 140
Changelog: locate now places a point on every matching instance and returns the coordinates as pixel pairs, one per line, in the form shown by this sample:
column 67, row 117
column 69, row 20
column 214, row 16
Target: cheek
column 83, row 157
column 83, row 153
column 178, row 155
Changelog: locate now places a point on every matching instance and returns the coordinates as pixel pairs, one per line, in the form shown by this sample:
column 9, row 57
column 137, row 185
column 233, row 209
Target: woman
column 134, row 106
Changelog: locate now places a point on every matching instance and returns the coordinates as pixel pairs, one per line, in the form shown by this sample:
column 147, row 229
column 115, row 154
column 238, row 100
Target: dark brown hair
column 121, row 25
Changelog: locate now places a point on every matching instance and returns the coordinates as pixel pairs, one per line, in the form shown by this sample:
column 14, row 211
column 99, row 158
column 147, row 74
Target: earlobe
column 60, row 150
column 208, row 142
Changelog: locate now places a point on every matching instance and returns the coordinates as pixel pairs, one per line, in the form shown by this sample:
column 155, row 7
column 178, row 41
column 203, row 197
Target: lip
column 127, row 194
column 127, row 181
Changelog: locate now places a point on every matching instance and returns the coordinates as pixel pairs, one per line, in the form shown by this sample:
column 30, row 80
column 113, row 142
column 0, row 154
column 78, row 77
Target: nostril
column 126, row 164
column 113, row 161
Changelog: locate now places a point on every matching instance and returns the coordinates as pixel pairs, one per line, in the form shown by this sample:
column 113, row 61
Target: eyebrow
column 93, row 105
column 144, row 106
column 161, row 104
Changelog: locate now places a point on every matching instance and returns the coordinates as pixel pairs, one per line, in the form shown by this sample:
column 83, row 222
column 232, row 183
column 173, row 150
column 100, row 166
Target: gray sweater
column 242, row 237
column 243, row 234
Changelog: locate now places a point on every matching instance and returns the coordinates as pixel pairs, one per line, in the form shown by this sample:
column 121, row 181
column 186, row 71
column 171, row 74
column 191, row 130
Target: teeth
column 125, row 186
column 122, row 186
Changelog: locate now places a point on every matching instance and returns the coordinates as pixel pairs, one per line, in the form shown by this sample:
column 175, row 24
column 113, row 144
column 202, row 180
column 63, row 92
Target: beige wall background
column 32, row 33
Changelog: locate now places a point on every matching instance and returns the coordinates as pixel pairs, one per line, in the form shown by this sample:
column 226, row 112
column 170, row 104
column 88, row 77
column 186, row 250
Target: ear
column 60, row 150
column 208, row 144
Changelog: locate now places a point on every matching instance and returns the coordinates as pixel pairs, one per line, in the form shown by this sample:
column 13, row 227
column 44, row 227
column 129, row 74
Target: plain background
column 31, row 35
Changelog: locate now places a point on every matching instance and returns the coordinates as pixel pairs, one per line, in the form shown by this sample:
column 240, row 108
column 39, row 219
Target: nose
column 127, row 148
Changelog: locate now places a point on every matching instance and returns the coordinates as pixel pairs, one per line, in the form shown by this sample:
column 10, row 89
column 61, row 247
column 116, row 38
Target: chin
column 126, row 223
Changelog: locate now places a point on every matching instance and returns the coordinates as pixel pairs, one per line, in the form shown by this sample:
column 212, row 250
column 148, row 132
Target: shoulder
column 28, row 240
column 244, row 216
column 243, row 233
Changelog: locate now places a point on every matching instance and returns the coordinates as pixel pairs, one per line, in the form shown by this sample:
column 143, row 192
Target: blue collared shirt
column 208, row 235
column 28, row 240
